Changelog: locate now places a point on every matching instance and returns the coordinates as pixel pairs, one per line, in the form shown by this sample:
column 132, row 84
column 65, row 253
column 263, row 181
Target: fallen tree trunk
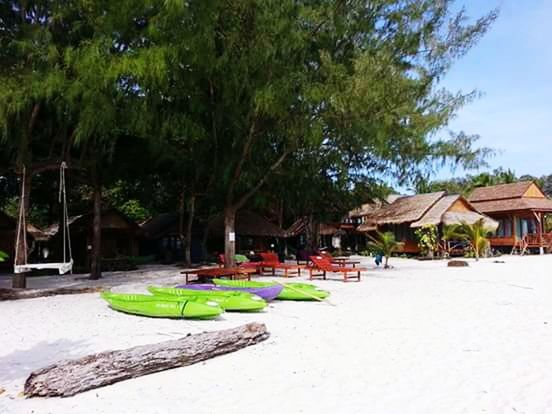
column 13, row 294
column 71, row 377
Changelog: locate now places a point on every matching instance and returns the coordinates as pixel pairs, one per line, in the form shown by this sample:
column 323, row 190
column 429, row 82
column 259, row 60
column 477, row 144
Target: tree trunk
column 20, row 280
column 71, row 377
column 188, row 235
column 96, row 262
column 229, row 237
column 312, row 230
column 181, row 221
column 386, row 265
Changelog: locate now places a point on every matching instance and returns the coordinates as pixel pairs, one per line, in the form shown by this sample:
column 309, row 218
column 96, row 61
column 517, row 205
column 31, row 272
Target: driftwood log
column 13, row 294
column 71, row 377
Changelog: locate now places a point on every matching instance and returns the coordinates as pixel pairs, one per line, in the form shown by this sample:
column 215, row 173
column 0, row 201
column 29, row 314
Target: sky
column 512, row 67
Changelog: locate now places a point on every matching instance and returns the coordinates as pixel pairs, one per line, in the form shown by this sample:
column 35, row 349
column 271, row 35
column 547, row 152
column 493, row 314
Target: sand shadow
column 20, row 363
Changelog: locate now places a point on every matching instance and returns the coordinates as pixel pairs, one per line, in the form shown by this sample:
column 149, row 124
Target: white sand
column 420, row 338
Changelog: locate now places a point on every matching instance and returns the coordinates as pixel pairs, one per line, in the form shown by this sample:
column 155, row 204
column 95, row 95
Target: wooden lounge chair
column 323, row 265
column 271, row 261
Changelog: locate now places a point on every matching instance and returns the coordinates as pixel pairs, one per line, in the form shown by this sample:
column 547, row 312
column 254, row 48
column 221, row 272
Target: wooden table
column 220, row 272
column 344, row 261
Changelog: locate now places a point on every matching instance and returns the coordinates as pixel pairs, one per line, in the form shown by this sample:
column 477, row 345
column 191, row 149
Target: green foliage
column 385, row 244
column 548, row 223
column 248, row 102
column 3, row 256
column 476, row 235
column 427, row 239
column 449, row 233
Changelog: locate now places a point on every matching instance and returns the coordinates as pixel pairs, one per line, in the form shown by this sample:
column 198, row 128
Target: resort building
column 406, row 214
column 520, row 209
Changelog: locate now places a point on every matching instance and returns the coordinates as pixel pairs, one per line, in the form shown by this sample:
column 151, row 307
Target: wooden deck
column 532, row 240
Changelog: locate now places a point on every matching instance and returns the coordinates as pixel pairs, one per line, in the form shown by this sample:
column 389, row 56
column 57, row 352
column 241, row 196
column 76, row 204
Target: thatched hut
column 407, row 213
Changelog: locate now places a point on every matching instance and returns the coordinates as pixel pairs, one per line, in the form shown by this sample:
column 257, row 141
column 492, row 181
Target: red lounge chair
column 271, row 261
column 324, row 265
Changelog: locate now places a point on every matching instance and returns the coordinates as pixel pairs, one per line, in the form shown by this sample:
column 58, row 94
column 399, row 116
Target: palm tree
column 450, row 232
column 386, row 244
column 476, row 235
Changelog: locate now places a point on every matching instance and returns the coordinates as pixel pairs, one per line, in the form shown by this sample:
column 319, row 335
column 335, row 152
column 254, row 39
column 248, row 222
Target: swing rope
column 65, row 266
column 21, row 222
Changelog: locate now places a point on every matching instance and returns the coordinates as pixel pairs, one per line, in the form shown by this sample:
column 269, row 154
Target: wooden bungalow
column 520, row 209
column 407, row 213
column 120, row 237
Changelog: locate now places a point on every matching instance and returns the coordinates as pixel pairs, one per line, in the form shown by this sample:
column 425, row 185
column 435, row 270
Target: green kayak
column 291, row 291
column 229, row 300
column 147, row 305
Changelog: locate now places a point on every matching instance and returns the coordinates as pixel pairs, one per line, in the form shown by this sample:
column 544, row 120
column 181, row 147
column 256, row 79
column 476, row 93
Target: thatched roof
column 248, row 223
column 439, row 213
column 406, row 209
column 469, row 217
column 435, row 213
column 368, row 208
column 500, row 192
column 299, row 225
column 32, row 230
column 514, row 204
column 510, row 197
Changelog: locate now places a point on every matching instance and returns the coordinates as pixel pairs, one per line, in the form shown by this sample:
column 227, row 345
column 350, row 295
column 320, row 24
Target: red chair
column 271, row 261
column 323, row 264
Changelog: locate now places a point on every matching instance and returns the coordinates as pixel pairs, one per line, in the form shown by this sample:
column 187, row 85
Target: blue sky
column 512, row 67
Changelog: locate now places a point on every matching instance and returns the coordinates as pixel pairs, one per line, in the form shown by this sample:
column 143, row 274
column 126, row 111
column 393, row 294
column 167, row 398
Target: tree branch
column 263, row 179
column 241, row 161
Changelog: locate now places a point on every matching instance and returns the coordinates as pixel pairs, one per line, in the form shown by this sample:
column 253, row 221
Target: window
column 504, row 228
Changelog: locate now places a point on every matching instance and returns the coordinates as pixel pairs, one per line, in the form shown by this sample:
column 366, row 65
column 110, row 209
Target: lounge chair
column 271, row 261
column 323, row 264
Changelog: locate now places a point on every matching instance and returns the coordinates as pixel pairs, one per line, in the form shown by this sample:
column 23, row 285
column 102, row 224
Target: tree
column 450, row 232
column 386, row 244
column 282, row 79
column 476, row 235
column 427, row 239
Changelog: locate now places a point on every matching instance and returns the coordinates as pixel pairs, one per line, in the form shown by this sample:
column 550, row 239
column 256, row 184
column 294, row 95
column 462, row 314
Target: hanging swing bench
column 67, row 264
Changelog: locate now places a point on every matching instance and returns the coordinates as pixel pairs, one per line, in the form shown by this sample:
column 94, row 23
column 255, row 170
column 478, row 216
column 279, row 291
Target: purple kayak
column 267, row 293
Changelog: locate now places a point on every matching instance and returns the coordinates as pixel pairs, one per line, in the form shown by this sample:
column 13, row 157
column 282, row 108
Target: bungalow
column 520, row 209
column 120, row 238
column 407, row 213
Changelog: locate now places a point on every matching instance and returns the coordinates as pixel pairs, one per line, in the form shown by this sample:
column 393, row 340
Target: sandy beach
column 418, row 338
